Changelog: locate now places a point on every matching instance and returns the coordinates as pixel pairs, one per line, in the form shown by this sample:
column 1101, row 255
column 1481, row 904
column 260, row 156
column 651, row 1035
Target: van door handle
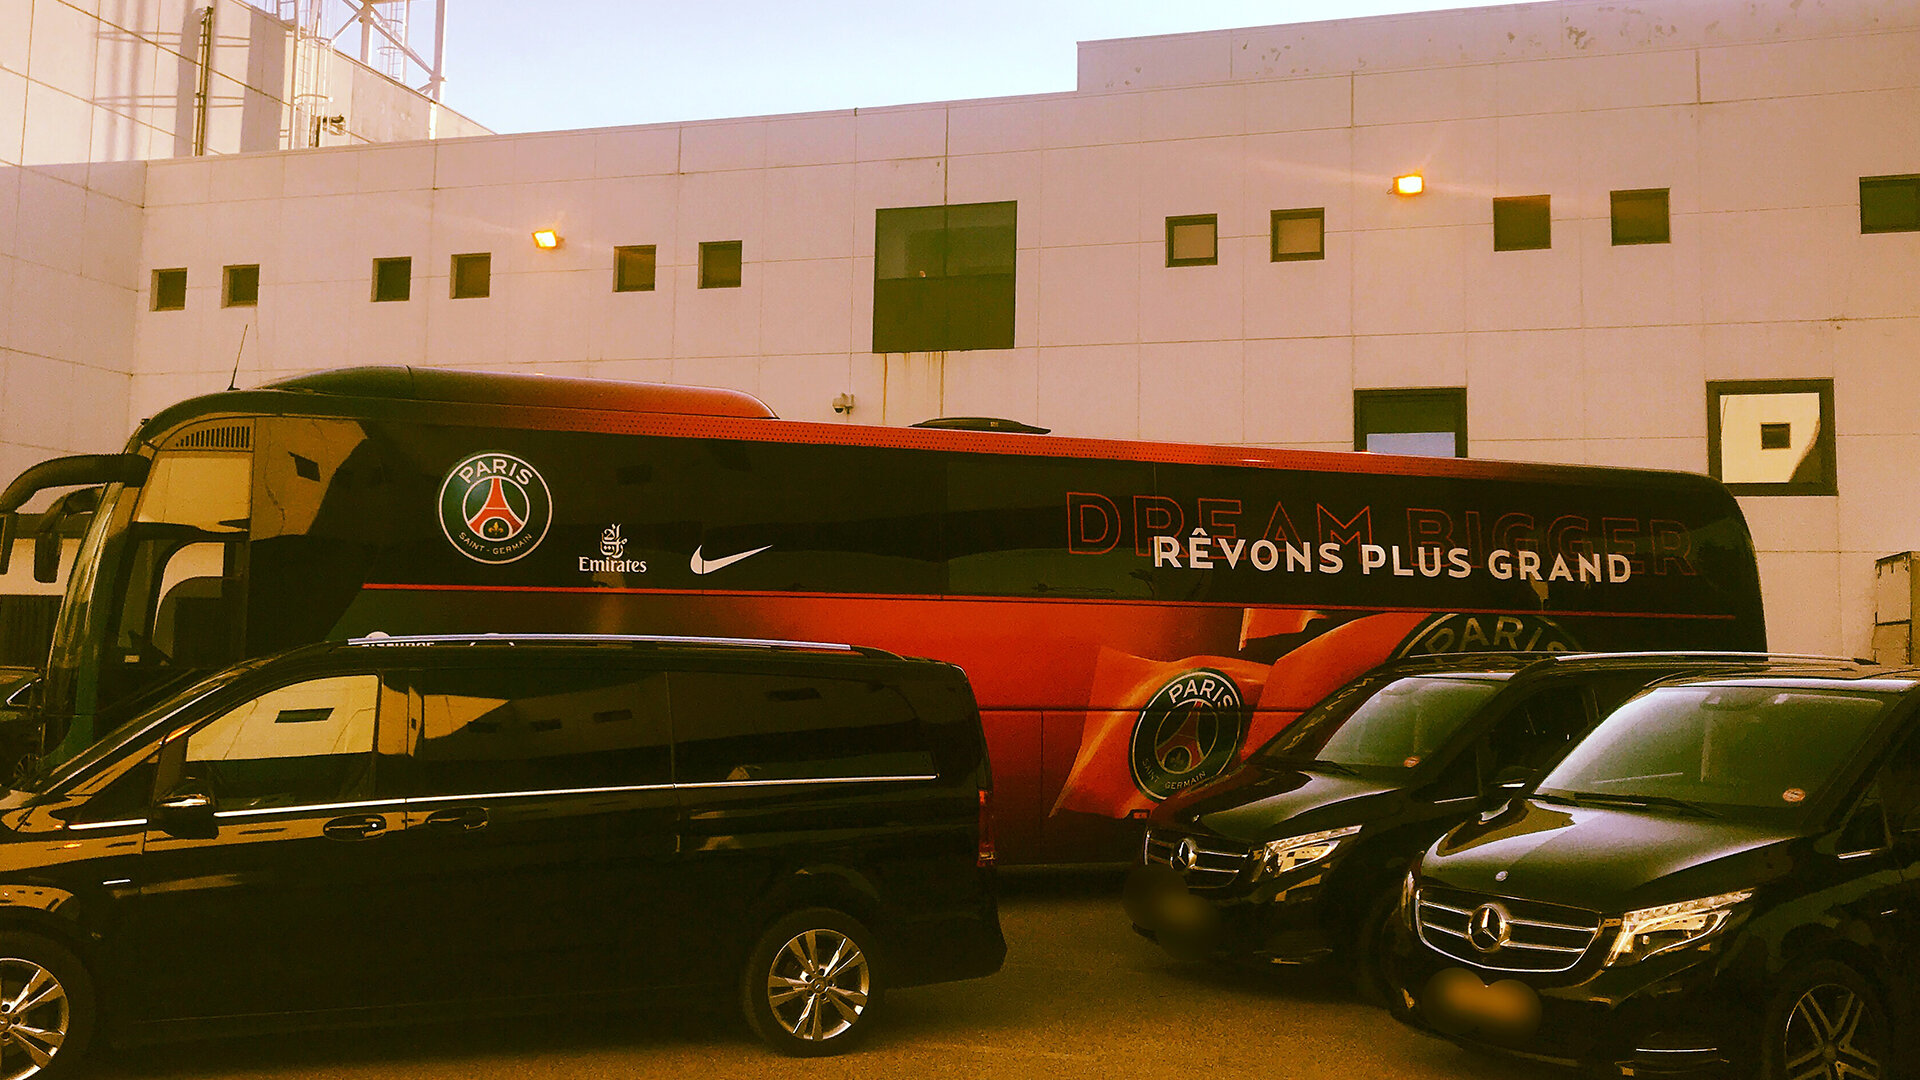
column 459, row 819
column 357, row 827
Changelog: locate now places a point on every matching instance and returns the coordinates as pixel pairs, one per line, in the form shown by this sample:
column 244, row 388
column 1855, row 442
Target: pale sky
column 557, row 64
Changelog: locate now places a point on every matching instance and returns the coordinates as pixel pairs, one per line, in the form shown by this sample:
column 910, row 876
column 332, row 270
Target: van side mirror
column 9, row 524
column 1512, row 778
column 1911, row 823
column 187, row 813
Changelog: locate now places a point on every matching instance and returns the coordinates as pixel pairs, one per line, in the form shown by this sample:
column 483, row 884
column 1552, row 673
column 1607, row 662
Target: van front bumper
column 1286, row 928
column 1674, row 1015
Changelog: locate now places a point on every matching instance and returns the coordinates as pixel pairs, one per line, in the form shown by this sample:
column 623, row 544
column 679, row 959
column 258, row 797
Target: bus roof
column 634, row 408
column 502, row 388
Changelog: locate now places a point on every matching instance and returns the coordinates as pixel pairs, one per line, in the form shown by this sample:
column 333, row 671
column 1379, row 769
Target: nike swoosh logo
column 708, row 566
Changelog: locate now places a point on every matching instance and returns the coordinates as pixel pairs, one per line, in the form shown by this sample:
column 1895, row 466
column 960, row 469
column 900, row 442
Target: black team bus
column 1135, row 617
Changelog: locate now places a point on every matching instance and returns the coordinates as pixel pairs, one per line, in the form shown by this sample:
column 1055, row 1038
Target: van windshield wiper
column 1323, row 765
column 1635, row 802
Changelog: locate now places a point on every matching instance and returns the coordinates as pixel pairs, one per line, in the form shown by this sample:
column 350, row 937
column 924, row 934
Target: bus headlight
column 1654, row 930
column 1282, row 856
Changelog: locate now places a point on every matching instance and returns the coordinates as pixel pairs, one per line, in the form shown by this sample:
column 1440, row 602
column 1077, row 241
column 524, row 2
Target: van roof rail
column 380, row 639
column 1716, row 654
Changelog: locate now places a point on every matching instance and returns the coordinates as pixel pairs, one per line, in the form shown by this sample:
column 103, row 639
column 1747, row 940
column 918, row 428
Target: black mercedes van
column 1725, row 873
column 422, row 826
column 1298, row 855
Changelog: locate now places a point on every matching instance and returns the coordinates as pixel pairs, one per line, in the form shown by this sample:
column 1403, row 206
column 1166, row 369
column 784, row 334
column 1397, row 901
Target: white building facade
column 1674, row 236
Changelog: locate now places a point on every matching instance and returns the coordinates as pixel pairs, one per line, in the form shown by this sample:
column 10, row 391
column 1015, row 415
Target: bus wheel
column 1825, row 1023
column 46, row 1008
column 810, row 986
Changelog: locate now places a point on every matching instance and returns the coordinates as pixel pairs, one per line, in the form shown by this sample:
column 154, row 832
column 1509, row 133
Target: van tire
column 43, row 988
column 1820, row 1007
column 812, row 983
column 1370, row 949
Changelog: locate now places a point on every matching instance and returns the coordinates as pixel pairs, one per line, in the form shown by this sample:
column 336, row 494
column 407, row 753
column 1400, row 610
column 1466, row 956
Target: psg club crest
column 1188, row 733
column 495, row 508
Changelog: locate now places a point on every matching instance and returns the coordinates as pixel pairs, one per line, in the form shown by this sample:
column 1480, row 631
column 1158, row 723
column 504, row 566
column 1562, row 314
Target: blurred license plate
column 1457, row 1002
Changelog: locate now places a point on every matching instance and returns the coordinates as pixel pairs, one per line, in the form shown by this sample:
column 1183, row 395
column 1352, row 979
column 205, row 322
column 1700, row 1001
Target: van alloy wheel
column 818, row 985
column 35, row 1018
column 1832, row 1033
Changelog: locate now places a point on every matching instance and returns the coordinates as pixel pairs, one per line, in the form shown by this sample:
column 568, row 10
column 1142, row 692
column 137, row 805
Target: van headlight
column 1282, row 856
column 1654, row 930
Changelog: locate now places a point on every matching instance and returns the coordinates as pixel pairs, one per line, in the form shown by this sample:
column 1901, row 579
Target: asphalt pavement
column 1080, row 996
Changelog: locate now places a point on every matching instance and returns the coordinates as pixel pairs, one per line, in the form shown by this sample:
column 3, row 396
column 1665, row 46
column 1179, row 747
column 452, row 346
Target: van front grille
column 1209, row 863
column 1503, row 933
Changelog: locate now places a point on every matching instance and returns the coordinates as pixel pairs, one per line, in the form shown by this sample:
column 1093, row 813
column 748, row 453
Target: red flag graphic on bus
column 1175, row 725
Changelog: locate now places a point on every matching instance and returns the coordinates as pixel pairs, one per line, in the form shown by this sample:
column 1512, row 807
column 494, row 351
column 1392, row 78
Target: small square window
column 1640, row 217
column 1425, row 423
column 1194, row 240
column 720, row 264
column 1524, row 223
column 1299, row 234
column 1772, row 437
column 1889, row 204
column 472, row 276
column 392, row 279
column 633, row 268
column 241, row 287
column 170, row 289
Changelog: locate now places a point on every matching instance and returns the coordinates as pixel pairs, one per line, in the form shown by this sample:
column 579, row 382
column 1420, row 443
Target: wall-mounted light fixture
column 1410, row 184
column 546, row 239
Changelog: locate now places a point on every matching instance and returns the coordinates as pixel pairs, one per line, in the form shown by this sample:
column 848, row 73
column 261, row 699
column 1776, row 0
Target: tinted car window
column 1752, row 747
column 125, row 797
column 1396, row 727
column 305, row 744
column 744, row 727
column 1539, row 729
column 501, row 731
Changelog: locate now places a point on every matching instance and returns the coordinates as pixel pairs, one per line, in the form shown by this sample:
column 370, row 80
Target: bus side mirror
column 46, row 555
column 46, row 542
column 9, row 522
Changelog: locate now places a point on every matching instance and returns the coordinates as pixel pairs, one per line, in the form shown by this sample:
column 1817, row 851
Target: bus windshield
column 151, row 596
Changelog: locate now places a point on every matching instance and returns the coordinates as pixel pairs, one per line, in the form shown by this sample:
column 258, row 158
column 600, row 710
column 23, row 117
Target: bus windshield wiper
column 1323, row 765
column 1636, row 802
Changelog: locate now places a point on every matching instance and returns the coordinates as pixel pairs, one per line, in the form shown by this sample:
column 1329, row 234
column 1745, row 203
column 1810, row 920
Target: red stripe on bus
column 616, row 591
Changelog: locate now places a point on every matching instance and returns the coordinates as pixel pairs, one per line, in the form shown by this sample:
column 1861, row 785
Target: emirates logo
column 495, row 508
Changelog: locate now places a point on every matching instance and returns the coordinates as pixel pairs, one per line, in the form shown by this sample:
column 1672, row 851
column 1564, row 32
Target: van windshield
column 1393, row 725
column 1750, row 750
